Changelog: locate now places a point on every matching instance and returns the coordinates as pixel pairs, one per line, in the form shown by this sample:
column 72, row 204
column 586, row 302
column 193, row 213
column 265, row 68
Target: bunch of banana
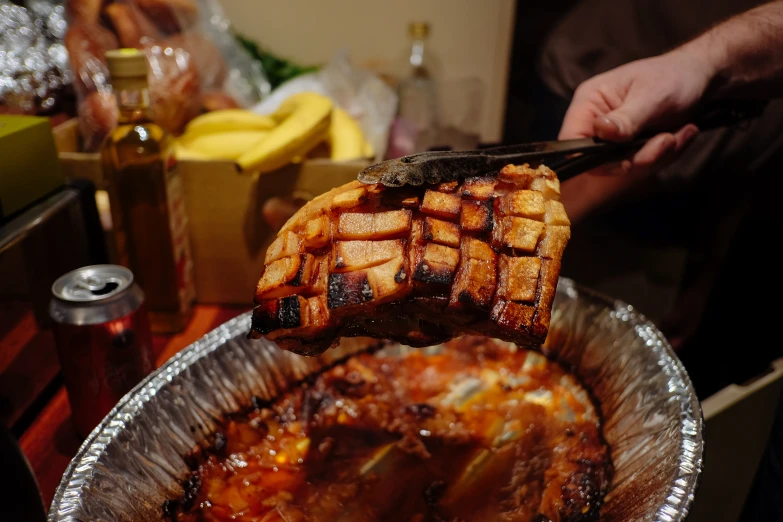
column 305, row 125
column 224, row 134
column 346, row 139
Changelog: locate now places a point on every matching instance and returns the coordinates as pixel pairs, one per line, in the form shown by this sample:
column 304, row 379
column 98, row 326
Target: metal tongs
column 568, row 158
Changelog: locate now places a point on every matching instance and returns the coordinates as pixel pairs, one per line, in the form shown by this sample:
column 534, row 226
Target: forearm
column 743, row 55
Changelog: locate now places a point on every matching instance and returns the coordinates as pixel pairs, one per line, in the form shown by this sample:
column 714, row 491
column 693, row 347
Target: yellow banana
column 228, row 120
column 345, row 137
column 221, row 145
column 303, row 122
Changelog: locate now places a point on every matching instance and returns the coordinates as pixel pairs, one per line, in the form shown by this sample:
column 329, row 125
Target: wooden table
column 51, row 442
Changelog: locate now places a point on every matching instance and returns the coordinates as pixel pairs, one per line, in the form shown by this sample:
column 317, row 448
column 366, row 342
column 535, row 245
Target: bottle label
column 178, row 221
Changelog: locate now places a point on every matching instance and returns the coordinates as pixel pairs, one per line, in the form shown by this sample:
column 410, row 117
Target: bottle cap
column 419, row 29
column 126, row 63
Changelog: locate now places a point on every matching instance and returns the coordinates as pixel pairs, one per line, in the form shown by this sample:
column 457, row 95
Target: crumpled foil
column 652, row 420
column 33, row 60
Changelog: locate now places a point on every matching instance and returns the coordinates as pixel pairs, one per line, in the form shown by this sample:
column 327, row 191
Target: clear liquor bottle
column 418, row 99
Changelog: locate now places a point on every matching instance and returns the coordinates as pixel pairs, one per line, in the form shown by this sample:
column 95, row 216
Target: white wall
column 469, row 37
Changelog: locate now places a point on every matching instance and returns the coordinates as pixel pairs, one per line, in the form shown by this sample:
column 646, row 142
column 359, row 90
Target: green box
column 29, row 167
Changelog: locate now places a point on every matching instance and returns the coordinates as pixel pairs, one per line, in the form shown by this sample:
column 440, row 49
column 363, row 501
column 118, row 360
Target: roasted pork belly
column 417, row 265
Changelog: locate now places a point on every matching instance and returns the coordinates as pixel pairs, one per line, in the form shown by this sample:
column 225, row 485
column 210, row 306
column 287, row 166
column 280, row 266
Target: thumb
column 626, row 121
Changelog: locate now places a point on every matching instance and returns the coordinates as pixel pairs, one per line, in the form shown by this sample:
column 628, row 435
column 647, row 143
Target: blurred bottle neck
column 418, row 65
column 133, row 104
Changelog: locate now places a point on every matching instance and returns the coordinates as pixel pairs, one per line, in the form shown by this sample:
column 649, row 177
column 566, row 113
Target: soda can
column 103, row 339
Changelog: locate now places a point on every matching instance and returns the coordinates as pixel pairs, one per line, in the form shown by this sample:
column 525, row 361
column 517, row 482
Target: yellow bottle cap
column 126, row 63
column 419, row 29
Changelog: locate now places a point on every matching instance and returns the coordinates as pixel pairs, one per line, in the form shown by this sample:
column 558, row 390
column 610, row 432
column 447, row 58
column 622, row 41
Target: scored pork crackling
column 417, row 265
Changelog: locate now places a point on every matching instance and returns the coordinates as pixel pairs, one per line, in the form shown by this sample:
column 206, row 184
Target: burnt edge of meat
column 170, row 509
column 427, row 274
column 346, row 289
column 193, row 458
column 265, row 317
column 297, row 280
column 583, row 491
column 487, row 207
column 259, row 404
column 192, row 485
column 275, row 314
column 467, row 298
column 289, row 313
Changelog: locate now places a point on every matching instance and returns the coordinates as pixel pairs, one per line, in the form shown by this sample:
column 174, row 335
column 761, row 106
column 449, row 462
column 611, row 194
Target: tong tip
column 411, row 170
column 390, row 173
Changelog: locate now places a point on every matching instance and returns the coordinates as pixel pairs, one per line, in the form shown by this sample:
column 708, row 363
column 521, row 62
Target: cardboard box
column 229, row 235
column 30, row 168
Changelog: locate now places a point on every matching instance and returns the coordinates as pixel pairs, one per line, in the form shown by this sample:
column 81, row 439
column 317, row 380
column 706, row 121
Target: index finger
column 579, row 120
column 578, row 123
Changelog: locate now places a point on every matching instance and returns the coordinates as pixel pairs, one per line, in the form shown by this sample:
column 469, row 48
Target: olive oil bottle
column 146, row 197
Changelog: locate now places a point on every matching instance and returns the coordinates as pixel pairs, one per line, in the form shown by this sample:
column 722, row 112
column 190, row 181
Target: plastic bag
column 359, row 92
column 195, row 63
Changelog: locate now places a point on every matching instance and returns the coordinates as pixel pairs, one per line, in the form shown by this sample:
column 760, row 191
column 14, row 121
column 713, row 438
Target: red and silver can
column 103, row 339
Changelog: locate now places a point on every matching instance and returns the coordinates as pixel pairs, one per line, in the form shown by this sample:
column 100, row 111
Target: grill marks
column 480, row 256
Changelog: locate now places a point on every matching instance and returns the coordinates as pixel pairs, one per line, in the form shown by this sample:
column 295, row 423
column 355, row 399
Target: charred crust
column 466, row 297
column 265, row 317
column 483, row 210
column 297, row 280
column 478, row 186
column 170, row 509
column 399, row 277
column 259, row 403
column 309, row 349
column 194, row 458
column 426, row 273
column 289, row 314
column 191, row 487
column 346, row 289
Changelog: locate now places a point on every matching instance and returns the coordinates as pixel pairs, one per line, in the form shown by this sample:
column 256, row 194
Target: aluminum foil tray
column 133, row 460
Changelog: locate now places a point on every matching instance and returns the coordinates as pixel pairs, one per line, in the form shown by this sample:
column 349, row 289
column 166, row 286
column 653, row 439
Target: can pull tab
column 95, row 285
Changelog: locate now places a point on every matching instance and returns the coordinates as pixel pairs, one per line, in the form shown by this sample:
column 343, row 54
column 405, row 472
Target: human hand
column 620, row 104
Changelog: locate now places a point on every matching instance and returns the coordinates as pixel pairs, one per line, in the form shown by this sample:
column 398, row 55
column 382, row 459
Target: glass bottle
column 146, row 197
column 418, row 100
